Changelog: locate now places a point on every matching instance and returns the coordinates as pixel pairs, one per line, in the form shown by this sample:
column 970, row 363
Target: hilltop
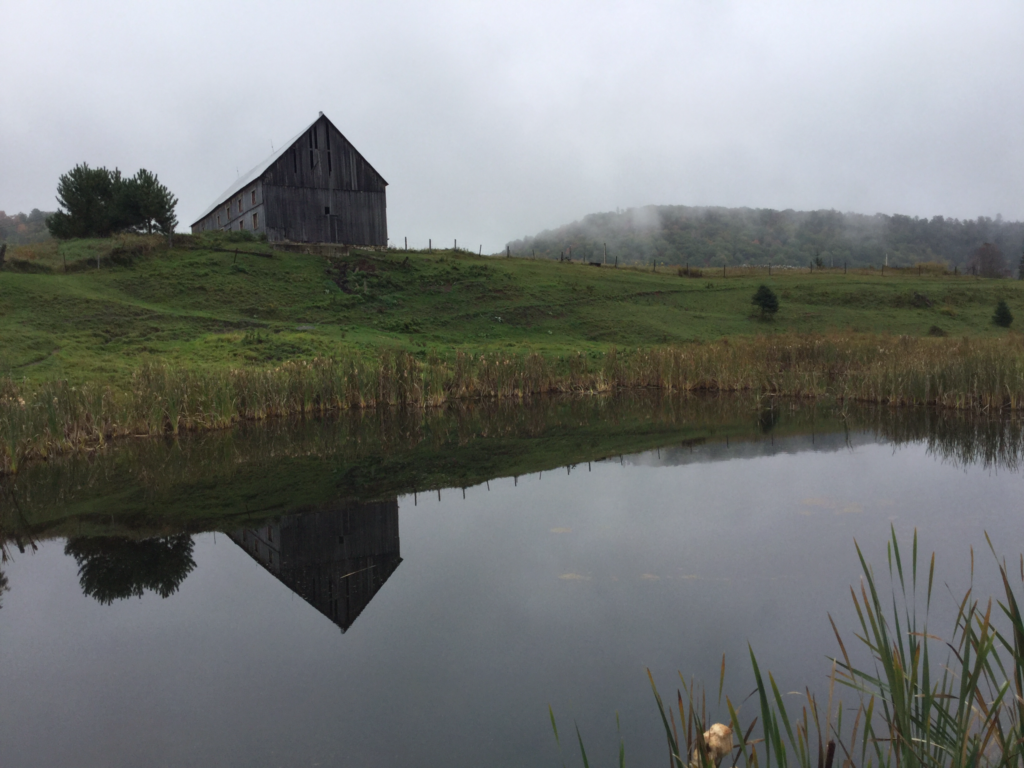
column 126, row 301
column 710, row 236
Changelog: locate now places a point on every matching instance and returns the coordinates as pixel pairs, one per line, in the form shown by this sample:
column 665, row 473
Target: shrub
column 1003, row 317
column 766, row 301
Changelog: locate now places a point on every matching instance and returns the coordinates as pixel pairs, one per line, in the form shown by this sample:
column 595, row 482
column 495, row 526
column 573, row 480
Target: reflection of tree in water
column 113, row 568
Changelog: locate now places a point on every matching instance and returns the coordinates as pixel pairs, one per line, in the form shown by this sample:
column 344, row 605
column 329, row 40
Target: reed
column 960, row 707
column 39, row 420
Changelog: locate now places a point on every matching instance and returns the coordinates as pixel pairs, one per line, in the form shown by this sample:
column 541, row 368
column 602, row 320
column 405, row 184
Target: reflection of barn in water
column 335, row 559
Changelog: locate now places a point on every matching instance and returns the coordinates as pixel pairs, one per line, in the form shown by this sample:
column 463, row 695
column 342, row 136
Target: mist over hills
column 23, row 228
column 714, row 236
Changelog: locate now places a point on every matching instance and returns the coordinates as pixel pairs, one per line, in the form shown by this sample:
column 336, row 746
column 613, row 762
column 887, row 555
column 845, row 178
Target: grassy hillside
column 199, row 307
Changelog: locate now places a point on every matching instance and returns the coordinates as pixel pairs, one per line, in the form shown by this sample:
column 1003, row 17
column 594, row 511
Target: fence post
column 508, row 251
column 407, row 243
column 430, row 245
column 456, row 246
column 605, row 253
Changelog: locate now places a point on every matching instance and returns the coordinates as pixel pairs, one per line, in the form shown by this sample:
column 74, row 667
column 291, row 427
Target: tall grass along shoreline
column 921, row 700
column 43, row 419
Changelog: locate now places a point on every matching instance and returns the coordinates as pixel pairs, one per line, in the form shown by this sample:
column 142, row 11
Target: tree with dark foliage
column 3, row 587
column 146, row 204
column 95, row 202
column 1003, row 317
column 86, row 199
column 766, row 301
column 112, row 568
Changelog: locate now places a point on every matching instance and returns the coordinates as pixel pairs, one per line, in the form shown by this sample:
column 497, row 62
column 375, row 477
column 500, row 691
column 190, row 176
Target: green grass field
column 198, row 307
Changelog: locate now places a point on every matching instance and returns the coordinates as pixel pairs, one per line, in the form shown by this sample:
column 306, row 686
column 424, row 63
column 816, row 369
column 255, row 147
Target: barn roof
column 250, row 176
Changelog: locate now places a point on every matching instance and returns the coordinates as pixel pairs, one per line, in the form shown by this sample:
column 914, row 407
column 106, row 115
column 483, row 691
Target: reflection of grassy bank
column 220, row 479
column 214, row 479
column 54, row 417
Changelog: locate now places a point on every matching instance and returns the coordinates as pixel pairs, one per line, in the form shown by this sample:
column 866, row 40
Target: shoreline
column 52, row 417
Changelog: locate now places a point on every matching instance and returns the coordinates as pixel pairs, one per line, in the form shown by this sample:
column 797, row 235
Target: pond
column 417, row 588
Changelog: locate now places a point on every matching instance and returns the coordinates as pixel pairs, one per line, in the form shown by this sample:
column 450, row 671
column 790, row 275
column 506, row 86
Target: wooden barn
column 316, row 189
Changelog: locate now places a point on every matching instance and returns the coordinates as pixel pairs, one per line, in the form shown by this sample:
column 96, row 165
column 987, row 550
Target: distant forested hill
column 22, row 228
column 678, row 234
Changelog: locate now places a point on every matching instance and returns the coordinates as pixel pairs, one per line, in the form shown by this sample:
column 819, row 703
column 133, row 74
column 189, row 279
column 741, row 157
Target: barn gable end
column 318, row 188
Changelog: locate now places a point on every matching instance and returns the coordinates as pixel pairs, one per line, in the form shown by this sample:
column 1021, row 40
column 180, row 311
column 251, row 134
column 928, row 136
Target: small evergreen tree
column 766, row 301
column 1003, row 317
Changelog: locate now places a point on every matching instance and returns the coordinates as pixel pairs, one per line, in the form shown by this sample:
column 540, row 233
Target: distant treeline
column 22, row 228
column 678, row 234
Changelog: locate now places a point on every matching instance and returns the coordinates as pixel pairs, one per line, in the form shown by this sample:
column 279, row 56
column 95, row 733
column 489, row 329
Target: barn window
column 241, row 223
column 227, row 211
column 255, row 221
column 239, row 205
column 218, row 219
column 254, row 197
column 327, row 145
column 327, row 210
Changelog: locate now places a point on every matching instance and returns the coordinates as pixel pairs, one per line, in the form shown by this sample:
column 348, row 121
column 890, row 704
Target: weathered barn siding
column 319, row 189
column 237, row 212
column 326, row 216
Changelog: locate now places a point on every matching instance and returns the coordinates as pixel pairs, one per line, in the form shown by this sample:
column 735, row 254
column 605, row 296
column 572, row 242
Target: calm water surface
column 420, row 630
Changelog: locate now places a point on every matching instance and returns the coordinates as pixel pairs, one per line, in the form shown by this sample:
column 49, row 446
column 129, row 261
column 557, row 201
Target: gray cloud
column 495, row 120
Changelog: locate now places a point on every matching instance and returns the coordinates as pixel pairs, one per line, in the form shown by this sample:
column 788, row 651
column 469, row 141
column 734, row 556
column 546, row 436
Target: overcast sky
column 493, row 120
